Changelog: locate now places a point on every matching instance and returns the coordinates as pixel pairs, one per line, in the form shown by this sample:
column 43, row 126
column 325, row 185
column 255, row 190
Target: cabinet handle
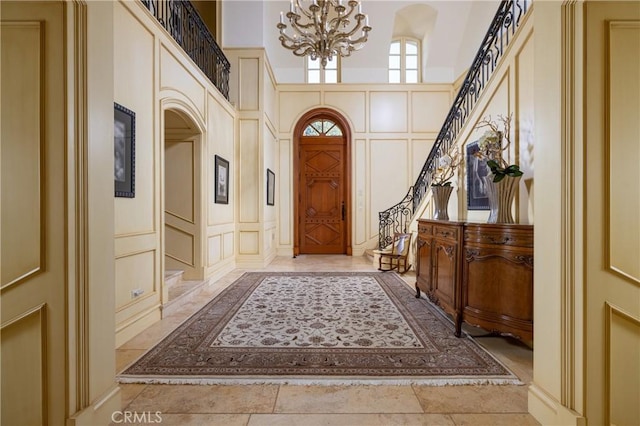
column 494, row 240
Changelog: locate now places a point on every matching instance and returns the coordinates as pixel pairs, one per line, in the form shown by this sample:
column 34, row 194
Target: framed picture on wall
column 271, row 187
column 222, row 180
column 477, row 197
column 124, row 147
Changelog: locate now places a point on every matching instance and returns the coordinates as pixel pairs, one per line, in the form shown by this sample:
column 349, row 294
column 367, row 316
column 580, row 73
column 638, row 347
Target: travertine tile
column 494, row 419
column 350, row 420
column 347, row 399
column 206, row 399
column 155, row 333
column 128, row 392
column 204, row 419
column 124, row 357
column 472, row 399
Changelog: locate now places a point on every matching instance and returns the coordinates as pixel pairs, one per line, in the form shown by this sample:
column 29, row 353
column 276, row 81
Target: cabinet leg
column 457, row 319
column 417, row 292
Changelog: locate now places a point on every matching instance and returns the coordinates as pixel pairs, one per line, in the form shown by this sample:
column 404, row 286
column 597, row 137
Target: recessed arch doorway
column 183, row 206
column 322, row 184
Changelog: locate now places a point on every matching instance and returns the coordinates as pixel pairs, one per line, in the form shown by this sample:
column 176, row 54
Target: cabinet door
column 423, row 264
column 444, row 280
column 498, row 290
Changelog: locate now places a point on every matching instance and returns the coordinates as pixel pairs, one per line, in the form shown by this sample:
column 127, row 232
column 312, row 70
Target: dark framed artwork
column 477, row 196
column 124, row 144
column 222, row 180
column 271, row 187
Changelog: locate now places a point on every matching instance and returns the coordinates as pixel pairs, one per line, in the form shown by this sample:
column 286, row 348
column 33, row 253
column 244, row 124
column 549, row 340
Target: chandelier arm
column 360, row 40
column 300, row 29
column 296, row 44
column 352, row 8
column 358, row 27
column 294, row 18
column 305, row 12
column 300, row 52
column 299, row 49
column 347, row 38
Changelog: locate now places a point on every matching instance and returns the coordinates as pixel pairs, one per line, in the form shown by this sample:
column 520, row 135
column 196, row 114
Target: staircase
column 179, row 291
column 502, row 30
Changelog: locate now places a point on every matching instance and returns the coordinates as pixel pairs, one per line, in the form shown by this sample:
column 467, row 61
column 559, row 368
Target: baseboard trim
column 549, row 411
column 101, row 412
column 137, row 325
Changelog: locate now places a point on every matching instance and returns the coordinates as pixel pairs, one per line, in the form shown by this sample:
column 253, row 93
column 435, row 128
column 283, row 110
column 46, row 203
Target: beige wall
column 253, row 91
column 393, row 128
column 152, row 74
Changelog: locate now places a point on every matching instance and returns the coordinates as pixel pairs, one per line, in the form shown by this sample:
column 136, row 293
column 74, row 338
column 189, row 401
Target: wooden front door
column 322, row 189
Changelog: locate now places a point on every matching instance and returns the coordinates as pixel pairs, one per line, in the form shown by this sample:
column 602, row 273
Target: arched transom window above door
column 322, row 127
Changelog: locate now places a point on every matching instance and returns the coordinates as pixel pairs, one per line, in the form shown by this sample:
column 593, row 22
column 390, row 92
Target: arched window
column 404, row 61
column 322, row 127
column 330, row 73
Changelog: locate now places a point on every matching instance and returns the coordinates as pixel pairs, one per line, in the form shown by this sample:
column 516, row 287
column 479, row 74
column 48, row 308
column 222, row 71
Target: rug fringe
column 445, row 381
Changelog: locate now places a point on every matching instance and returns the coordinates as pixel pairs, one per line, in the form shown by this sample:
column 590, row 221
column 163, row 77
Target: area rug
column 317, row 328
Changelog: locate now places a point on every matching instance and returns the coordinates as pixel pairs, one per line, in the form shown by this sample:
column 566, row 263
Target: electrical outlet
column 137, row 292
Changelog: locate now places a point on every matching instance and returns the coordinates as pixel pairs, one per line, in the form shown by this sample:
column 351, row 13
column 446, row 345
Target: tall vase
column 501, row 196
column 441, row 196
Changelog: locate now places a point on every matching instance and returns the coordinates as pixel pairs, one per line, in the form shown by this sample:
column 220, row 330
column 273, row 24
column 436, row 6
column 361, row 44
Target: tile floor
column 325, row 405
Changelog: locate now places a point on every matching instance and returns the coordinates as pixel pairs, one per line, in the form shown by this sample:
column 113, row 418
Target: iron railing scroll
column 505, row 23
column 184, row 24
column 395, row 219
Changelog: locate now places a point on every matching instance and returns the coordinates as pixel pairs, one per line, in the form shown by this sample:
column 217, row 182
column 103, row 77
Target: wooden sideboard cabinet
column 481, row 274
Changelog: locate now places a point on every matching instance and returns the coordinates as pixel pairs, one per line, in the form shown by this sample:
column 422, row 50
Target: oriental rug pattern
column 314, row 328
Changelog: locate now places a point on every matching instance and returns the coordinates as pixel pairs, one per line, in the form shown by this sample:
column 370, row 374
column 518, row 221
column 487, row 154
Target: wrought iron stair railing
column 501, row 31
column 184, row 24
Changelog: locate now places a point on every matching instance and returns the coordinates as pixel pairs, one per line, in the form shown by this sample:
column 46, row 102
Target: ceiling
column 452, row 29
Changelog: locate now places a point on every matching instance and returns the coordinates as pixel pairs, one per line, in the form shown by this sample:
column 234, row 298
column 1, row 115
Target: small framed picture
column 222, row 180
column 124, row 144
column 271, row 187
column 477, row 196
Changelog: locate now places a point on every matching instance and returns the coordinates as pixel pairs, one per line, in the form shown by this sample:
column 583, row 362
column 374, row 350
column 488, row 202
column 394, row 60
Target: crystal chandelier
column 324, row 28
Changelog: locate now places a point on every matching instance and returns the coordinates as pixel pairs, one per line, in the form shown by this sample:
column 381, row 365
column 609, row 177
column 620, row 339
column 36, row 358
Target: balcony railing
column 185, row 25
column 502, row 30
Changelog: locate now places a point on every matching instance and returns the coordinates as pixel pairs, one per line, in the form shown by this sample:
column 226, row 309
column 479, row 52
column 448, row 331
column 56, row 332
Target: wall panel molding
column 25, row 334
column 622, row 334
column 23, row 215
column 622, row 150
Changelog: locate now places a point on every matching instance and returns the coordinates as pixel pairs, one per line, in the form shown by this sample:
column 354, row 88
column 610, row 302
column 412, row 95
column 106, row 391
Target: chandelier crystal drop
column 324, row 28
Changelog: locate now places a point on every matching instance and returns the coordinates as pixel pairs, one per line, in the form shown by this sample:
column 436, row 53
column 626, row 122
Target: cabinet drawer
column 449, row 233
column 499, row 237
column 425, row 229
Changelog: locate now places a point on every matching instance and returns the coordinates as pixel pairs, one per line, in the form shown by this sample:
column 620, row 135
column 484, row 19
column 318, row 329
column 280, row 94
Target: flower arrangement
column 447, row 165
column 493, row 143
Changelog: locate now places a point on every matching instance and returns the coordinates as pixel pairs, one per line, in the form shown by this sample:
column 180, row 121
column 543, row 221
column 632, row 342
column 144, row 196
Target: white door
column 612, row 231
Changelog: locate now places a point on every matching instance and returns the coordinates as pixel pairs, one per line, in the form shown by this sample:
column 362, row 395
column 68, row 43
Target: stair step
column 180, row 294
column 370, row 255
column 172, row 277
